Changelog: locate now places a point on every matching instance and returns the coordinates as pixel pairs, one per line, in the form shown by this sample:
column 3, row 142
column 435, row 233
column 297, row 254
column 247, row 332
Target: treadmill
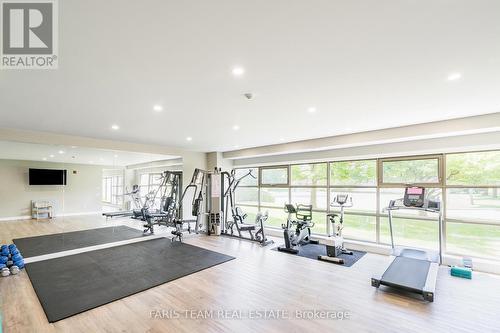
column 413, row 270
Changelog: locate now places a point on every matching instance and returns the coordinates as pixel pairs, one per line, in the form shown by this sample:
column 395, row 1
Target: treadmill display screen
column 414, row 197
column 415, row 190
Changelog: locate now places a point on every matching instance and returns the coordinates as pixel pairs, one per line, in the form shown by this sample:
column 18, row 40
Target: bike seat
column 246, row 227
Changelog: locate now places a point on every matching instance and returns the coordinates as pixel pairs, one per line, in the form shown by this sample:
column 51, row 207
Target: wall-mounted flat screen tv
column 47, row 177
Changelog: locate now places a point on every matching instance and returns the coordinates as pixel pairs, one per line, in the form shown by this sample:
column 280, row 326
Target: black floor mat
column 312, row 251
column 73, row 284
column 39, row 245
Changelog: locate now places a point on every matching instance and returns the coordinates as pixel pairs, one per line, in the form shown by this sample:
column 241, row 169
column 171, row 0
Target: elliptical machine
column 334, row 251
column 297, row 232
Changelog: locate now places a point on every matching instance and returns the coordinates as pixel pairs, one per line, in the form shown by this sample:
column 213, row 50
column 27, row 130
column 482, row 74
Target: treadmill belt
column 40, row 245
column 408, row 273
column 70, row 285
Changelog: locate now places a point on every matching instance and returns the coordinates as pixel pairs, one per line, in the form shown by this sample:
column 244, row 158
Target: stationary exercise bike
column 334, row 251
column 297, row 232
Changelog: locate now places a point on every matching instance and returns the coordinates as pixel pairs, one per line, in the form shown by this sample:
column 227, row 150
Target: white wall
column 190, row 159
column 217, row 160
column 446, row 129
column 82, row 194
column 472, row 142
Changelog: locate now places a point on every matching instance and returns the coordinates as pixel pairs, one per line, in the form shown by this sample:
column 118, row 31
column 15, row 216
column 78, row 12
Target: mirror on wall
column 44, row 181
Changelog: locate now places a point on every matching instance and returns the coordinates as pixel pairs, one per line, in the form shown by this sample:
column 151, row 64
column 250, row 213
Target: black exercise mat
column 312, row 251
column 73, row 284
column 39, row 245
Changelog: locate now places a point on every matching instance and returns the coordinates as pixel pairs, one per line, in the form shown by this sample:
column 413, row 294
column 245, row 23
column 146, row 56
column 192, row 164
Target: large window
column 251, row 176
column 317, row 197
column 309, row 174
column 150, row 185
column 473, row 169
column 466, row 184
column 247, row 192
column 112, row 190
column 274, row 197
column 354, row 173
column 473, row 204
column 364, row 199
column 274, row 176
column 410, row 171
column 358, row 179
column 106, row 189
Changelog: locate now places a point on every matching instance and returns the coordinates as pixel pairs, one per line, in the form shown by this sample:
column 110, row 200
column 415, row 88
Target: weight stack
column 214, row 224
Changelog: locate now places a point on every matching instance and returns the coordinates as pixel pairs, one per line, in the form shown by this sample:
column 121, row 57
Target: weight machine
column 238, row 223
column 167, row 214
column 171, row 215
column 138, row 203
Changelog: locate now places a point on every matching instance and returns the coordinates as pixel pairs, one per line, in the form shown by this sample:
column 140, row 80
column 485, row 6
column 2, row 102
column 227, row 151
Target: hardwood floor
column 258, row 279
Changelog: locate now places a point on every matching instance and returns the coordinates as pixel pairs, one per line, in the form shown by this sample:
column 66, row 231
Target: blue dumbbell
column 19, row 264
column 14, row 251
column 4, row 252
column 17, row 257
column 2, row 266
column 4, row 259
column 12, row 246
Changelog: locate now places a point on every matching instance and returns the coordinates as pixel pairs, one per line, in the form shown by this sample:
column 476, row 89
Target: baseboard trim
column 28, row 217
column 16, row 218
column 79, row 214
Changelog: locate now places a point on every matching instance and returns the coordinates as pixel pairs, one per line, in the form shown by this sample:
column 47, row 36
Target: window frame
column 277, row 167
column 379, row 186
column 110, row 189
column 257, row 170
column 380, row 170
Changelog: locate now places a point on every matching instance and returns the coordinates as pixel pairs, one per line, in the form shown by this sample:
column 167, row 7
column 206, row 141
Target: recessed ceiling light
column 312, row 109
column 236, row 127
column 45, row 158
column 73, row 147
column 51, row 155
column 454, row 76
column 115, row 156
column 189, row 138
column 61, row 151
column 282, row 139
column 158, row 108
column 238, row 71
column 236, row 146
column 115, row 127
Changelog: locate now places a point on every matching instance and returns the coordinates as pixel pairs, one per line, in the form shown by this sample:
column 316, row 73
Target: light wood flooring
column 258, row 279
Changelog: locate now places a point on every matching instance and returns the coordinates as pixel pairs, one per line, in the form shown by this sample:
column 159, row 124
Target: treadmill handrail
column 392, row 207
column 431, row 210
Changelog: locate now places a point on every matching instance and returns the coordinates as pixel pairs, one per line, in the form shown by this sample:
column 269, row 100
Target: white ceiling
column 363, row 65
column 72, row 154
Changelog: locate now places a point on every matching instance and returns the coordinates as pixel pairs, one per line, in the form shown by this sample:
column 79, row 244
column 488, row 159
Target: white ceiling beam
column 446, row 128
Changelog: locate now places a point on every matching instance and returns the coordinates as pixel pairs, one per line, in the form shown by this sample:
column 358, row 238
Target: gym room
column 262, row 166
